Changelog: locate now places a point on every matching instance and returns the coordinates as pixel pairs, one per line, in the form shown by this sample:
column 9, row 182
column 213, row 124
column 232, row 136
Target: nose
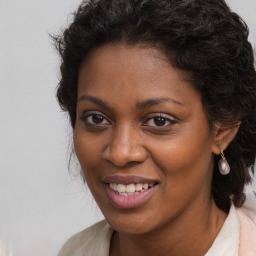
column 125, row 146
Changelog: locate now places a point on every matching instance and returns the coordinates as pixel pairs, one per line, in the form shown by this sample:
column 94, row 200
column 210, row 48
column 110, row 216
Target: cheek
column 88, row 153
column 186, row 175
column 178, row 157
column 186, row 157
column 87, row 150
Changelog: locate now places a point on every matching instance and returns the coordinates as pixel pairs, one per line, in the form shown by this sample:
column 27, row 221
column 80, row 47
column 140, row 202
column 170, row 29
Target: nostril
column 123, row 155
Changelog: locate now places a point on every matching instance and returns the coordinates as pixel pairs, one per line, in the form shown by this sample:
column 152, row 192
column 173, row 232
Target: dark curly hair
column 202, row 37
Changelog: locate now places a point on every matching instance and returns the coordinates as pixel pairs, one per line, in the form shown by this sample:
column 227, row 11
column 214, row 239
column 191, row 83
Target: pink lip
column 126, row 202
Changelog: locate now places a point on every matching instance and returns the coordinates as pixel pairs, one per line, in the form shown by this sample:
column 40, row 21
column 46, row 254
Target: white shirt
column 227, row 241
column 95, row 240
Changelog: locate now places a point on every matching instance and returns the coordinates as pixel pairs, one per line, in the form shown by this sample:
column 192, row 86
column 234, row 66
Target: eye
column 160, row 120
column 95, row 119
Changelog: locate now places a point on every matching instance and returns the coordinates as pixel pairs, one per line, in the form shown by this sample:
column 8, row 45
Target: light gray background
column 40, row 204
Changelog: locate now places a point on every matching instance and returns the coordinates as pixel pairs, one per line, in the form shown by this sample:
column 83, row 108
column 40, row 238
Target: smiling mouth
column 130, row 189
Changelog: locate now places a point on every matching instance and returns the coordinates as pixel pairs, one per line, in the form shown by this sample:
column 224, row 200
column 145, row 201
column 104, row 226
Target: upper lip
column 128, row 180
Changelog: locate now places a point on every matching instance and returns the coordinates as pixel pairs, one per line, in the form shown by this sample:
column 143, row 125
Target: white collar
column 227, row 241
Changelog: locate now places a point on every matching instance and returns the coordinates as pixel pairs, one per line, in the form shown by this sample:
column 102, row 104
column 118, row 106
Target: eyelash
column 86, row 116
column 165, row 118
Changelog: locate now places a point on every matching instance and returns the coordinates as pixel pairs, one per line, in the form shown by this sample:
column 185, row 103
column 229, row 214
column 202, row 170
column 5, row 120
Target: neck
column 180, row 237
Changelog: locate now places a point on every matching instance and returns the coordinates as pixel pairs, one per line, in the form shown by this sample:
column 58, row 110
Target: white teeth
column 121, row 188
column 130, row 189
column 138, row 187
column 145, row 186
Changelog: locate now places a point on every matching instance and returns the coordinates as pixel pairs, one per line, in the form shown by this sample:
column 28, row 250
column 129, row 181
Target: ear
column 223, row 135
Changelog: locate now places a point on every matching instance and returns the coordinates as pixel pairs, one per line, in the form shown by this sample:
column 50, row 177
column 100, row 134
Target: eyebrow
column 93, row 100
column 156, row 101
column 139, row 105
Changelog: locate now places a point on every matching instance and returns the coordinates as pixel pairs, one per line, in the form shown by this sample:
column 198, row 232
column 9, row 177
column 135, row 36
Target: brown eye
column 160, row 120
column 95, row 119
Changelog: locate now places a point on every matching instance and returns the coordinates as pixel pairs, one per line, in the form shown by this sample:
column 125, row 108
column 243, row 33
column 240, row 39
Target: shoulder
column 94, row 240
column 247, row 219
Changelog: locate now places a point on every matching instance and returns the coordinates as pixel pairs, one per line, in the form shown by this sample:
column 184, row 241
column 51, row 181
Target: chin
column 137, row 226
column 135, row 221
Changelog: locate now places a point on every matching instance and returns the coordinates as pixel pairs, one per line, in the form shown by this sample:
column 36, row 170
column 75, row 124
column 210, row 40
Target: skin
column 115, row 82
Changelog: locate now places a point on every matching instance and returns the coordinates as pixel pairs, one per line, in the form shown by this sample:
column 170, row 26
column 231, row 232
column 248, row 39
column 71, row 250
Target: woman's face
column 142, row 138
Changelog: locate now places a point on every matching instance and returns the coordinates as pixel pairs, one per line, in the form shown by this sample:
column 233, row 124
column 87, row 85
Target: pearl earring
column 223, row 165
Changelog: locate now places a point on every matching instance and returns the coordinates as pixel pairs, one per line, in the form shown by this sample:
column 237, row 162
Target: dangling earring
column 223, row 165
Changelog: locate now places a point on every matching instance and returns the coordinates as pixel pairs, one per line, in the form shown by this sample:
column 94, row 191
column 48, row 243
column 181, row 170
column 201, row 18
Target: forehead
column 121, row 72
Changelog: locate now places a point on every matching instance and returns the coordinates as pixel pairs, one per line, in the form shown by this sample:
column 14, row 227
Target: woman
column 161, row 99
